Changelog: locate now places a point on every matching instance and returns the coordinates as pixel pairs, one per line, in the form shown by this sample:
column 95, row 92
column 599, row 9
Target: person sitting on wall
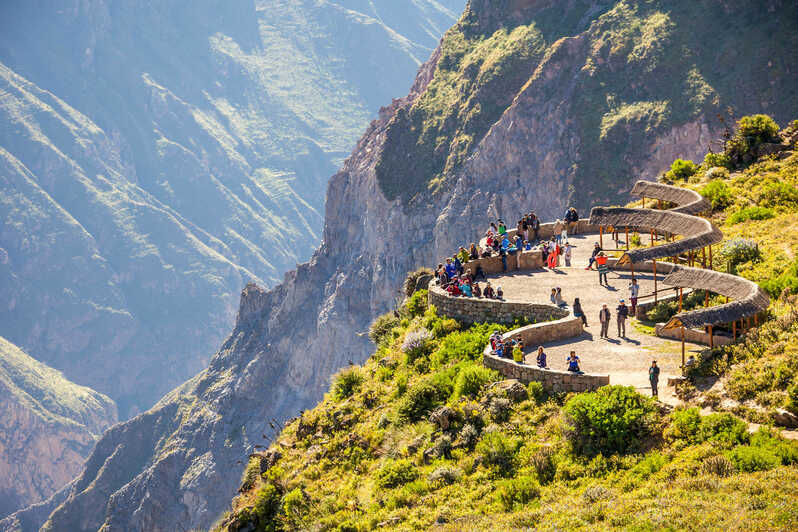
column 465, row 288
column 534, row 225
column 493, row 229
column 573, row 363
column 527, row 245
column 463, row 255
column 458, row 265
column 451, row 269
column 541, row 358
column 454, row 287
column 476, row 290
column 578, row 312
column 488, row 292
column 499, row 293
column 473, row 252
column 494, row 339
column 467, row 276
column 443, row 278
column 596, row 251
column 486, row 252
column 502, row 228
column 572, row 219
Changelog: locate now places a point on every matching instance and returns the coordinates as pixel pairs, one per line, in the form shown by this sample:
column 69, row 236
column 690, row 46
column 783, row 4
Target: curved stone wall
column 481, row 310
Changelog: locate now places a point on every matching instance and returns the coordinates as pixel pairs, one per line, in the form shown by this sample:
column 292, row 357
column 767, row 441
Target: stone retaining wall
column 479, row 310
column 695, row 336
column 526, row 260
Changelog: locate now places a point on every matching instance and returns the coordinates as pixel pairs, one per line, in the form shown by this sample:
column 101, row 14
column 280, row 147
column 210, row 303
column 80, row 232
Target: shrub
column 596, row 493
column 346, row 382
column 267, row 506
column 751, row 213
column 786, row 450
column 417, row 344
column 681, row 170
column 295, row 509
column 251, row 474
column 717, row 160
column 718, row 465
column 723, row 428
column 499, row 408
column 395, row 473
column 412, row 280
column 663, row 311
column 685, row 424
column 417, row 303
column 757, row 129
column 536, row 391
column 779, row 194
column 380, row 330
column 419, row 400
column 718, row 194
column 740, row 250
column 614, row 419
column 749, row 459
column 471, row 379
column 788, row 280
column 517, row 491
column 445, row 475
column 499, row 451
column 792, row 398
column 543, row 462
column 469, row 436
column 463, row 345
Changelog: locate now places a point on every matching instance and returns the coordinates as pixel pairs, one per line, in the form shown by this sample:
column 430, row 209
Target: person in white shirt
column 634, row 289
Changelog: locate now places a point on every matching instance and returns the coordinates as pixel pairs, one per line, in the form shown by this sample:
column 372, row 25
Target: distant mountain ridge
column 156, row 158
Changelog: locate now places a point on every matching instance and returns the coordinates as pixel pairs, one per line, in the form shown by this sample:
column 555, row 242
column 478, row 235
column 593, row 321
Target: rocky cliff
column 48, row 427
column 610, row 91
column 154, row 159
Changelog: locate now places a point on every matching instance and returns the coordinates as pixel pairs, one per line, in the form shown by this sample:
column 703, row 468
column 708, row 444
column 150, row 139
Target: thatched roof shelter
column 687, row 201
column 697, row 232
column 748, row 298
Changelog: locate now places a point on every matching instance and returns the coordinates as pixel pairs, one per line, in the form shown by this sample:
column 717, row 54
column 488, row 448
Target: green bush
column 417, row 303
column 779, row 194
column 751, row 213
column 739, row 251
column 517, row 491
column 792, row 398
column 787, row 280
column 395, row 473
column 499, row 451
column 748, row 458
column 380, row 330
column 536, row 391
column 681, row 170
column 614, row 419
column 295, row 509
column 471, row 379
column 419, row 400
column 251, row 474
column 757, row 129
column 718, row 194
column 346, row 382
column 685, row 424
column 464, row 345
column 718, row 465
column 714, row 160
column 267, row 507
column 785, row 450
column 723, row 428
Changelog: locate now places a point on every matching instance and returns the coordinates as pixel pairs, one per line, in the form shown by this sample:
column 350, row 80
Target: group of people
column 510, row 348
column 459, row 281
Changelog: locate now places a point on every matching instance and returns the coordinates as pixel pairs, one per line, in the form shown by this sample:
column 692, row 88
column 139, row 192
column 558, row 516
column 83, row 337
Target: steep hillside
column 289, row 340
column 47, row 429
column 155, row 159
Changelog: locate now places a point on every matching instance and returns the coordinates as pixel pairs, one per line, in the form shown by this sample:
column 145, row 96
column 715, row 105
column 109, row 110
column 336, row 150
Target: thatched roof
column 697, row 232
column 687, row 201
column 748, row 298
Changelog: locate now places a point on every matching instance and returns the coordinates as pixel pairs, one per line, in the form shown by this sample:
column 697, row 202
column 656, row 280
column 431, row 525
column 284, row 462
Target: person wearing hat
column 621, row 313
column 653, row 377
column 596, row 251
column 604, row 319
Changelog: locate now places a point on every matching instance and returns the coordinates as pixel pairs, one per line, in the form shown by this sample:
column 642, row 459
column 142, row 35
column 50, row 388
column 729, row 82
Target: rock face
column 180, row 462
column 155, row 158
column 48, row 427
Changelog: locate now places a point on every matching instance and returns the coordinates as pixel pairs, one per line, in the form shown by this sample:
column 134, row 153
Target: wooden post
column 654, row 261
column 683, row 362
column 601, row 236
column 644, row 202
column 681, row 291
column 756, row 320
column 710, row 257
column 652, row 238
column 734, row 330
column 627, row 239
column 704, row 258
column 659, row 203
column 711, row 337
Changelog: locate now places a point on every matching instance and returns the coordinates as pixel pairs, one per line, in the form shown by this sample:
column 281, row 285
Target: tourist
column 457, row 265
column 572, row 219
column 603, row 268
column 473, row 252
column 566, row 253
column 551, row 259
column 535, row 225
column 573, row 363
column 499, row 293
column 443, row 278
column 634, row 289
column 488, row 292
column 596, row 251
column 578, row 312
column 604, row 319
column 527, row 245
column 559, row 227
column 476, row 290
column 480, row 273
column 467, row 276
column 494, row 339
column 558, row 299
column 493, row 229
column 653, row 377
column 621, row 313
column 503, row 256
column 465, row 288
column 502, row 228
column 690, row 361
column 541, row 358
column 553, row 296
column 451, row 269
column 454, row 287
column 463, row 255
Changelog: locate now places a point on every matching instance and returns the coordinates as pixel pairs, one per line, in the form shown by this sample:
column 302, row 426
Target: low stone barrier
column 552, row 380
column 695, row 336
column 525, row 260
column 480, row 310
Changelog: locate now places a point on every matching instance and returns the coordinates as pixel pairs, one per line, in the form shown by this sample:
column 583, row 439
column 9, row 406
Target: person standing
column 567, row 254
column 603, row 268
column 621, row 313
column 604, row 319
column 634, row 289
column 541, row 358
column 573, row 363
column 653, row 378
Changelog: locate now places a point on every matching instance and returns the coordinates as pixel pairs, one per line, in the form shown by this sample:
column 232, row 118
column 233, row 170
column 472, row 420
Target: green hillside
column 508, row 457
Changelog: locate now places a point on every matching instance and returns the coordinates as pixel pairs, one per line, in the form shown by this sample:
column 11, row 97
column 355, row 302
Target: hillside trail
column 626, row 360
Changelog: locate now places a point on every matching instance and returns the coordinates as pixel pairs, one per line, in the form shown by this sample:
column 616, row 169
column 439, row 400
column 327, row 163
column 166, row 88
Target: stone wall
column 478, row 310
column 526, row 260
column 695, row 336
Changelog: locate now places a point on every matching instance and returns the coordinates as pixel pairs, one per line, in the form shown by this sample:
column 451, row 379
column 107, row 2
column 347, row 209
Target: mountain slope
column 48, row 428
column 182, row 150
column 289, row 340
